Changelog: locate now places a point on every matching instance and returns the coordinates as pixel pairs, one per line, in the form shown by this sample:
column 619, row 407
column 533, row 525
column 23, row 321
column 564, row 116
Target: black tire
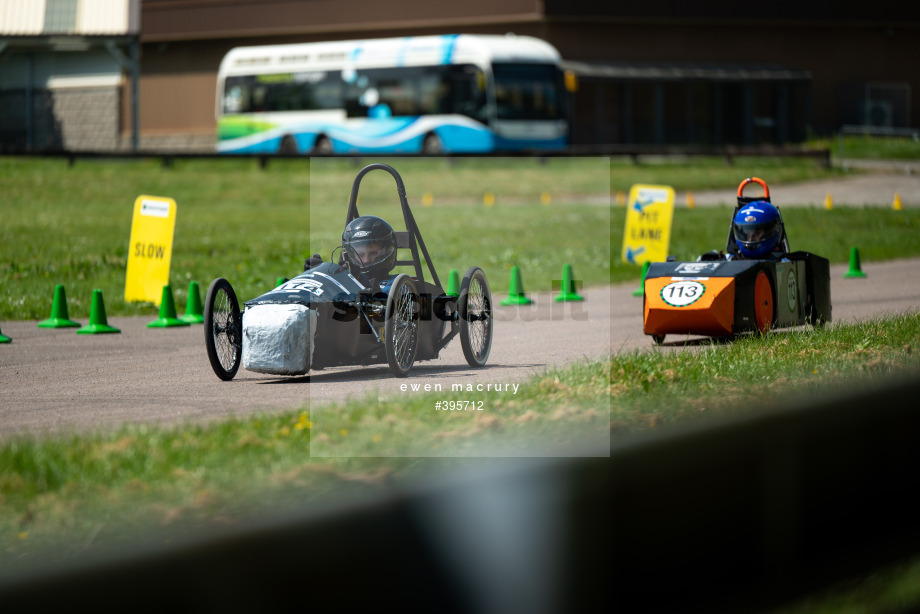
column 401, row 328
column 223, row 329
column 475, row 309
column 322, row 146
column 658, row 339
column 288, row 146
column 431, row 146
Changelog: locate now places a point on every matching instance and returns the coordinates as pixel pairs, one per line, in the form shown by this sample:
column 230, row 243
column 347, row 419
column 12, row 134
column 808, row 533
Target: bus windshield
column 527, row 91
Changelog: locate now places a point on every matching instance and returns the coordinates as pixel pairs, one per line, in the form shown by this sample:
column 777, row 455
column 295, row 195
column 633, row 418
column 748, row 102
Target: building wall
column 76, row 100
column 170, row 20
column 834, row 55
column 14, row 134
column 74, row 119
column 88, row 117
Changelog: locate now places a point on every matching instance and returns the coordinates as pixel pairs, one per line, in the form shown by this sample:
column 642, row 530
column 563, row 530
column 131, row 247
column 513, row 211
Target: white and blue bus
column 427, row 94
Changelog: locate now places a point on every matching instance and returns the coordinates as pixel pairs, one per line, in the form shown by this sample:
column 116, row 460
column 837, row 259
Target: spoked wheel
column 401, row 329
column 763, row 302
column 475, row 307
column 223, row 329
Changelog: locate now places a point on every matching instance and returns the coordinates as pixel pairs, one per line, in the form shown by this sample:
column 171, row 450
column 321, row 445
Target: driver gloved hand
column 313, row 261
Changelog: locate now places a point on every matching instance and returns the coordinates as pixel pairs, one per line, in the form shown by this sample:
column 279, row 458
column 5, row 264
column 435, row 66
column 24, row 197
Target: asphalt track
column 54, row 380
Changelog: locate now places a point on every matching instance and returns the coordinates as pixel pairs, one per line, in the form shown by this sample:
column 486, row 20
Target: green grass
column 870, row 148
column 71, row 225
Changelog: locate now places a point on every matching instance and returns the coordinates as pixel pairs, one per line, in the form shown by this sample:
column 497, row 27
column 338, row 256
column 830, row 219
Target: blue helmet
column 757, row 229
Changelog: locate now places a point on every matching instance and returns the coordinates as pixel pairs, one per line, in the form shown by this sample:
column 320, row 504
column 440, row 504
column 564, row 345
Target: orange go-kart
column 721, row 295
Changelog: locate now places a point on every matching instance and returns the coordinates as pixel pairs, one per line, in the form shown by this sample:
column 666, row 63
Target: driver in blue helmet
column 758, row 231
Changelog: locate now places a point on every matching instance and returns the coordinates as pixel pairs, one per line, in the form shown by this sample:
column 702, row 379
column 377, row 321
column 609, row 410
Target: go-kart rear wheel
column 763, row 302
column 475, row 309
column 223, row 329
column 401, row 328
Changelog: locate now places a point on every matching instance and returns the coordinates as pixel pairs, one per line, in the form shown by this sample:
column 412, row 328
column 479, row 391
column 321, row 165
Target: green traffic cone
column 98, row 323
column 640, row 291
column 453, row 283
column 194, row 312
column 59, row 317
column 516, row 294
column 567, row 292
column 167, row 311
column 4, row 338
column 855, row 268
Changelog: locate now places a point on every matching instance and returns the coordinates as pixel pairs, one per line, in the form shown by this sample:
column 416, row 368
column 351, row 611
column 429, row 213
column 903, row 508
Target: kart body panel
column 719, row 297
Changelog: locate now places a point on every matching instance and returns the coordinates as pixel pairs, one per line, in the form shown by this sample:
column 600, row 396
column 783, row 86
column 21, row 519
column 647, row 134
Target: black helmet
column 369, row 245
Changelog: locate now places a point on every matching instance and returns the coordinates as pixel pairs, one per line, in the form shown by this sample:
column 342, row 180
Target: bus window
column 306, row 91
column 467, row 92
column 321, row 90
column 527, row 91
column 395, row 89
column 418, row 90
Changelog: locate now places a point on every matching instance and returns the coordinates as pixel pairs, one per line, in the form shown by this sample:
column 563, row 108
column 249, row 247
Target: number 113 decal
column 682, row 293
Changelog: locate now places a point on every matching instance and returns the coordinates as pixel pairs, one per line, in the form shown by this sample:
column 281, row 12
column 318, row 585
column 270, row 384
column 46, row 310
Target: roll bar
column 411, row 238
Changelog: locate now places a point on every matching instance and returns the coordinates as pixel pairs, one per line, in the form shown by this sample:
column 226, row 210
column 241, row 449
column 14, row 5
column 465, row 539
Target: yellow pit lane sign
column 649, row 213
column 150, row 249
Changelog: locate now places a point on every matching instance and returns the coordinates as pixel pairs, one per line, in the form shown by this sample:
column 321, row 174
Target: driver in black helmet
column 369, row 248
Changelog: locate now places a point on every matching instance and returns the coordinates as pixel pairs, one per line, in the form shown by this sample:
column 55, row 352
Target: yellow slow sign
column 150, row 249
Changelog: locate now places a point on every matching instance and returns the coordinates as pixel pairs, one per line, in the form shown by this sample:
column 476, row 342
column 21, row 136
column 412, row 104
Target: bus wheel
column 322, row 146
column 288, row 146
column 431, row 145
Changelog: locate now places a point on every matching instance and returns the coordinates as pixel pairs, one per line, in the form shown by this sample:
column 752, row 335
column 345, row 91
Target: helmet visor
column 370, row 252
column 755, row 232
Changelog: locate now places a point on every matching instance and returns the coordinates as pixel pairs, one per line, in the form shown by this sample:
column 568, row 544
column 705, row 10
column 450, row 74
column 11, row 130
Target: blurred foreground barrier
column 739, row 516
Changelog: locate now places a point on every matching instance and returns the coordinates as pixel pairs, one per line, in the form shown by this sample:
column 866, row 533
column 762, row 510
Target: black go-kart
column 326, row 317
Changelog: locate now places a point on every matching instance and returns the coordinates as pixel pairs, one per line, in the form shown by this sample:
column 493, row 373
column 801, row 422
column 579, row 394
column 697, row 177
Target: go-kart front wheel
column 401, row 329
column 223, row 329
column 475, row 309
